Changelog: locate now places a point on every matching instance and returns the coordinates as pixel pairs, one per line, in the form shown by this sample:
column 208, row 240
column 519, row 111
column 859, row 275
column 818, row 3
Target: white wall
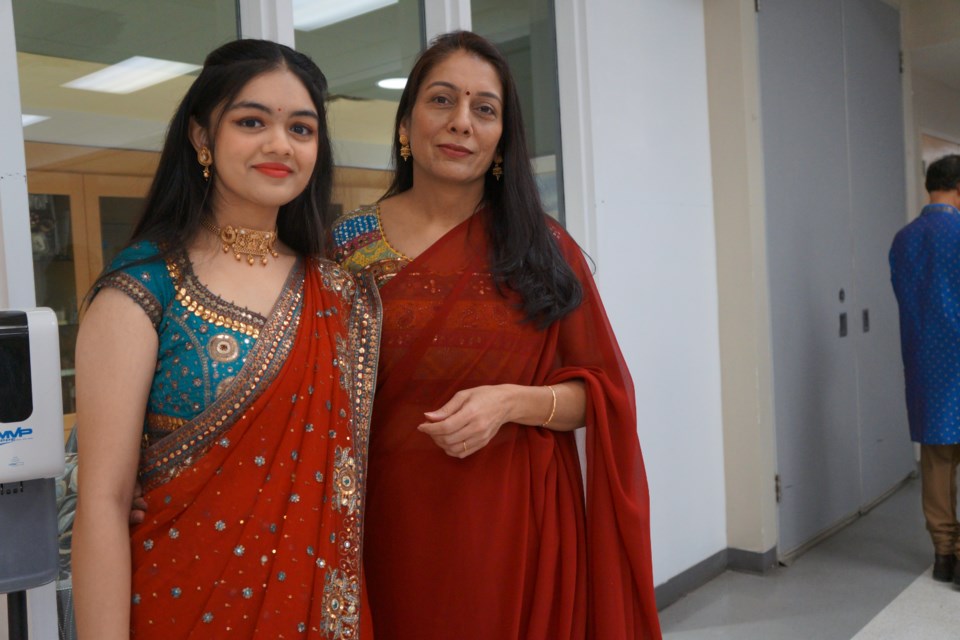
column 652, row 200
column 936, row 107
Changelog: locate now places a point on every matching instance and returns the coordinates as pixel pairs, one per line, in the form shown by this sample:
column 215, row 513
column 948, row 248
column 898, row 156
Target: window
column 92, row 151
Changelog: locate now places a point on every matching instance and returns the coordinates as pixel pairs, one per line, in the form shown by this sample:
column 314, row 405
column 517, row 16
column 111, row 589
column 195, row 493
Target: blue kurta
column 925, row 270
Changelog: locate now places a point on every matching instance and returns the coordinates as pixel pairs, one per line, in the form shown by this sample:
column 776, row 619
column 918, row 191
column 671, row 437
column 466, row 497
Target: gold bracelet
column 553, row 409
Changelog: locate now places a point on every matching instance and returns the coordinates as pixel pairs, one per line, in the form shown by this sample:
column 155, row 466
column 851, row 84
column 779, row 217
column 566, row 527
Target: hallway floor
column 870, row 581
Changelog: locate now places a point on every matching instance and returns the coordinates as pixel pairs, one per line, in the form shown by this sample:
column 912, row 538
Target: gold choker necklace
column 244, row 242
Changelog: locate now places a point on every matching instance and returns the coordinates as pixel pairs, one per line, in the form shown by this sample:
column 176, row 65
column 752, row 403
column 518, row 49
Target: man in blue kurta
column 925, row 269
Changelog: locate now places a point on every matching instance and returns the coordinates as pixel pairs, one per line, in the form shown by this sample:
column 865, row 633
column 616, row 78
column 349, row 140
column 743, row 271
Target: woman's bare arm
column 116, row 360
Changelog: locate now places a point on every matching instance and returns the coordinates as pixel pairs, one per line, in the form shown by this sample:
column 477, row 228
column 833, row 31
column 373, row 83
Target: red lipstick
column 273, row 169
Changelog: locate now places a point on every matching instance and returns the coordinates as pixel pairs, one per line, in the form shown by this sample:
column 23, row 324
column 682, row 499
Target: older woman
column 495, row 347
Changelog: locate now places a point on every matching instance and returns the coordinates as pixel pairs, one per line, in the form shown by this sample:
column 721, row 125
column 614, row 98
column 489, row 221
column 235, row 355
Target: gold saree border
column 357, row 358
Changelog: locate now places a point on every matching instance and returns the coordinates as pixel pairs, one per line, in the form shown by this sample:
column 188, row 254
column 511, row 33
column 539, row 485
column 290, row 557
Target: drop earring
column 205, row 158
column 405, row 147
column 497, row 170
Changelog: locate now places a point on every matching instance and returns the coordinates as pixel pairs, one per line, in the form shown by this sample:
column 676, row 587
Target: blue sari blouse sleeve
column 140, row 272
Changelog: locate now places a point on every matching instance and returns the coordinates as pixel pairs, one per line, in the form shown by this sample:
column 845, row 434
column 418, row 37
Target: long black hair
column 524, row 254
column 179, row 196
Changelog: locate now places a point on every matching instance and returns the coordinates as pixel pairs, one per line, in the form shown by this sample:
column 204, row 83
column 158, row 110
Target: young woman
column 495, row 348
column 227, row 367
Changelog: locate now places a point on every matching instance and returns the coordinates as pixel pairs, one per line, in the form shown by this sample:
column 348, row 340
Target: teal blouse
column 204, row 340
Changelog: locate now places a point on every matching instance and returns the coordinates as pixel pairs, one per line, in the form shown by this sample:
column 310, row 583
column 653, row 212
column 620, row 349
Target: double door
column 78, row 223
column 831, row 104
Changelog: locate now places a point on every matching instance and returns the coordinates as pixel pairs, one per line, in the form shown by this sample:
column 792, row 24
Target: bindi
column 279, row 109
column 468, row 93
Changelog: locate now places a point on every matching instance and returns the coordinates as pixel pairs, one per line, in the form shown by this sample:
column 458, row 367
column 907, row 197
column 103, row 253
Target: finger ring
column 464, row 443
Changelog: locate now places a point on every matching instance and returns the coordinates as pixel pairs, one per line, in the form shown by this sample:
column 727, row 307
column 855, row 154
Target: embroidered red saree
column 500, row 545
column 255, row 508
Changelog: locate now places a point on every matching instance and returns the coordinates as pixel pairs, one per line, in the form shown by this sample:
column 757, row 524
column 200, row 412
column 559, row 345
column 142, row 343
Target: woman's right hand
column 138, row 508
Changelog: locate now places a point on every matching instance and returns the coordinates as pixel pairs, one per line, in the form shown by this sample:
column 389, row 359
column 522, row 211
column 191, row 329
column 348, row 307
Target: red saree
column 255, row 508
column 500, row 545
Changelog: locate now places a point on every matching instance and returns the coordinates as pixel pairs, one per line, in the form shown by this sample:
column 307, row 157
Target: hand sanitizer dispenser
column 31, row 453
column 31, row 405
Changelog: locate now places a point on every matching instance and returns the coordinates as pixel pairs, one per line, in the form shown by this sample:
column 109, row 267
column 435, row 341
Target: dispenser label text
column 10, row 436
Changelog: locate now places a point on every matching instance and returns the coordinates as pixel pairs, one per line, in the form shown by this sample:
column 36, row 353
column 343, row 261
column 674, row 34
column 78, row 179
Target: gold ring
column 464, row 443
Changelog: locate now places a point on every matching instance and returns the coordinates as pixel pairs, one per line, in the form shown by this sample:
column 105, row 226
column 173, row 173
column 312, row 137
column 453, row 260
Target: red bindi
column 468, row 93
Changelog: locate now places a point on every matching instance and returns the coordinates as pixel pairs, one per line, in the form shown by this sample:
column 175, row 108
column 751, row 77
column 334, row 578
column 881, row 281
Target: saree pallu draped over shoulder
column 502, row 544
column 255, row 508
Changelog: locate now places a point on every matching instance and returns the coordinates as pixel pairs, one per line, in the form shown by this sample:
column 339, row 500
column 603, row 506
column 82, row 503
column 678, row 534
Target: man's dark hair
column 944, row 174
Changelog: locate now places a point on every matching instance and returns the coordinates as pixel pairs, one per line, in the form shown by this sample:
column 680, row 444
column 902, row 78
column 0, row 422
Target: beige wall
column 746, row 361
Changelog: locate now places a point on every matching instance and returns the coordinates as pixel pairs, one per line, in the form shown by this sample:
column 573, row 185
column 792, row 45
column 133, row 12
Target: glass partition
column 92, row 142
column 359, row 45
column 525, row 31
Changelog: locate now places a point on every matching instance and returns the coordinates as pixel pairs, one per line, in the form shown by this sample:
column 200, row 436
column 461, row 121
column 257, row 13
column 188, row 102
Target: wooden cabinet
column 77, row 224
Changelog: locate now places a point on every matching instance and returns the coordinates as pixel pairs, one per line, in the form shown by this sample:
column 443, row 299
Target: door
column 877, row 207
column 810, row 264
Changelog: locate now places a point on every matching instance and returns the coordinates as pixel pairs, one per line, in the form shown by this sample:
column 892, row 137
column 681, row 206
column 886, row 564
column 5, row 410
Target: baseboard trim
column 751, row 561
column 686, row 581
column 706, row 570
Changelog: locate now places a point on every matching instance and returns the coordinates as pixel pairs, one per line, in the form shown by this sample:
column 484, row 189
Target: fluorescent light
column 392, row 83
column 29, row 119
column 132, row 75
column 313, row 14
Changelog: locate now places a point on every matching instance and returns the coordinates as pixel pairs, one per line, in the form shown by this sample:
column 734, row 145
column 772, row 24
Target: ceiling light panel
column 314, row 14
column 133, row 74
column 28, row 119
column 392, row 83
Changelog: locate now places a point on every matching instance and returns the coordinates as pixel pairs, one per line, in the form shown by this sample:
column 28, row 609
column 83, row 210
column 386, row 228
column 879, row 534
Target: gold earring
column 205, row 158
column 497, row 169
column 405, row 147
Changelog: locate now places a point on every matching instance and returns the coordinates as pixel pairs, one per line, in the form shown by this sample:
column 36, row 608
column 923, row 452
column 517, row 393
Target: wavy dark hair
column 179, row 195
column 524, row 254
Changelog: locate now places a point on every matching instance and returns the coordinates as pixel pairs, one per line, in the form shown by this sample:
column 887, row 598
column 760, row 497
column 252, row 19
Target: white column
column 267, row 19
column 16, row 256
column 16, row 260
column 637, row 170
column 442, row 16
column 576, row 142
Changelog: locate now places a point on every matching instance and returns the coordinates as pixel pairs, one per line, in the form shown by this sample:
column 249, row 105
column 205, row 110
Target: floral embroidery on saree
column 361, row 246
column 357, row 356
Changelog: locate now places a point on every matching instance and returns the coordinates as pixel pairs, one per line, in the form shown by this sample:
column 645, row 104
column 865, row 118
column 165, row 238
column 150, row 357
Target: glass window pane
column 525, row 31
column 54, row 276
column 78, row 137
column 117, row 218
column 356, row 51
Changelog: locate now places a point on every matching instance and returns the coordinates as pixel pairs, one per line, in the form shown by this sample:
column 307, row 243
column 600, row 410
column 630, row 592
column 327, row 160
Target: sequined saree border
column 163, row 459
column 140, row 294
column 358, row 357
column 364, row 337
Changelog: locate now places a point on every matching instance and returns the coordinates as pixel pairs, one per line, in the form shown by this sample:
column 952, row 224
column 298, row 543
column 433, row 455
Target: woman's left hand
column 470, row 419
